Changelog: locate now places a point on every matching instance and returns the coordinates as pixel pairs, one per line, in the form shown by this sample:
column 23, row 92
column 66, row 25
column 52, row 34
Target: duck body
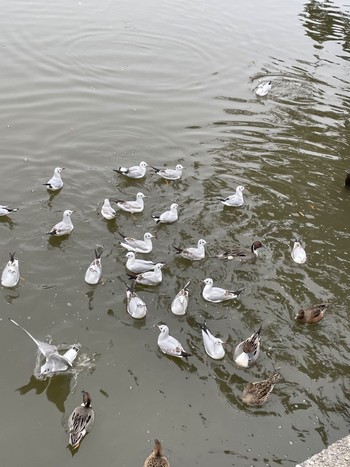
column 180, row 303
column 258, row 393
column 263, row 88
column 137, row 246
column 156, row 458
column 131, row 206
column 55, row 183
column 94, row 271
column 212, row 345
column 10, row 274
column 243, row 254
column 170, row 174
column 168, row 217
column 136, row 307
column 169, row 345
column 298, row 253
column 217, row 294
column 138, row 266
column 311, row 315
column 192, row 253
column 5, row 210
column 150, row 278
column 136, row 171
column 64, row 227
column 236, row 200
column 107, row 211
column 247, row 351
column 81, row 421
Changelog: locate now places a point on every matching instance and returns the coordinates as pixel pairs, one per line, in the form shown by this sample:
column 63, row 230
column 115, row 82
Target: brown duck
column 258, row 393
column 156, row 458
column 311, row 315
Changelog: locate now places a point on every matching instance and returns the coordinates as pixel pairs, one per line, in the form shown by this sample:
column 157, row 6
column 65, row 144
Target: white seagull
column 5, row 210
column 134, row 305
column 213, row 345
column 10, row 274
column 131, row 206
column 298, row 253
column 64, row 227
column 217, row 294
column 138, row 246
column 154, row 277
column 54, row 362
column 236, row 200
column 94, row 271
column 137, row 266
column 168, row 217
column 180, row 302
column 193, row 253
column 170, row 174
column 107, row 211
column 247, row 351
column 263, row 88
column 169, row 345
column 136, row 171
column 55, row 183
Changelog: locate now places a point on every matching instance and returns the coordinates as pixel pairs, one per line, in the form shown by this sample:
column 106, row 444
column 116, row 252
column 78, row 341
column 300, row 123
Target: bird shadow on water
column 52, row 196
column 57, row 242
column 8, row 222
column 57, row 388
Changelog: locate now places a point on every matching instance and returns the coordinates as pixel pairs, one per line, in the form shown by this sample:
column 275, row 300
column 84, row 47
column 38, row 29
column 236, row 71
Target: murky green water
column 92, row 85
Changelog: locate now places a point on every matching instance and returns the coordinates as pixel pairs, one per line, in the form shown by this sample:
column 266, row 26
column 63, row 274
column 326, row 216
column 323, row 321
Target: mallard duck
column 136, row 171
column 131, row 206
column 138, row 246
column 55, row 183
column 298, row 253
column 257, row 393
column 311, row 315
column 80, row 421
column 154, row 277
column 242, row 253
column 156, row 458
column 217, row 294
column 107, row 211
column 180, row 302
column 213, row 345
column 5, row 210
column 10, row 274
column 169, row 345
column 192, row 253
column 170, row 174
column 247, row 351
column 167, row 217
column 64, row 227
column 236, row 200
column 94, row 271
column 136, row 307
column 263, row 88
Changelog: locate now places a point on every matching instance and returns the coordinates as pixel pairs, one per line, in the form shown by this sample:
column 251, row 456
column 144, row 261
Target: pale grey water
column 92, row 85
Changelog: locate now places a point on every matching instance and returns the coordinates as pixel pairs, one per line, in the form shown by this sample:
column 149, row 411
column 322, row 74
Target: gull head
column 208, row 281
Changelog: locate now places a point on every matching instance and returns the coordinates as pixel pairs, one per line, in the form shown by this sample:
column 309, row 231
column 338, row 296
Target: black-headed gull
column 55, row 183
column 136, row 307
column 94, row 271
column 170, row 174
column 167, row 217
column 64, row 227
column 5, row 210
column 107, row 211
column 236, row 200
column 169, row 345
column 136, row 171
column 213, row 345
column 192, row 253
column 10, row 274
column 137, row 266
column 217, row 294
column 138, row 246
column 298, row 253
column 131, row 206
column 180, row 302
column 263, row 88
column 151, row 278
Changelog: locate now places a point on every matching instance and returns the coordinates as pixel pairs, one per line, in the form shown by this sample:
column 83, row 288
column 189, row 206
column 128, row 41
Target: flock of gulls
column 60, row 358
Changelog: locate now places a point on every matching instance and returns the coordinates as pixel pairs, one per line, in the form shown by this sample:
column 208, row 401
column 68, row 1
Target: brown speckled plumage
column 257, row 393
column 156, row 458
column 311, row 315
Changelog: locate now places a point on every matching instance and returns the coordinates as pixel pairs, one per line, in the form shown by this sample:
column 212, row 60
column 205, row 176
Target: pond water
column 90, row 86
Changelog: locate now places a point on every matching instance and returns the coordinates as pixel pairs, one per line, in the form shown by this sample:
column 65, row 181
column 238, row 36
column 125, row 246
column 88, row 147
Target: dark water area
column 90, row 86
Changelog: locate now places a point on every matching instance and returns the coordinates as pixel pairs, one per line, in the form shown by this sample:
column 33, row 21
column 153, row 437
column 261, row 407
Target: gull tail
column 185, row 354
column 122, row 235
column 157, row 219
column 98, row 251
column 178, row 250
column 154, row 168
column 121, row 170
